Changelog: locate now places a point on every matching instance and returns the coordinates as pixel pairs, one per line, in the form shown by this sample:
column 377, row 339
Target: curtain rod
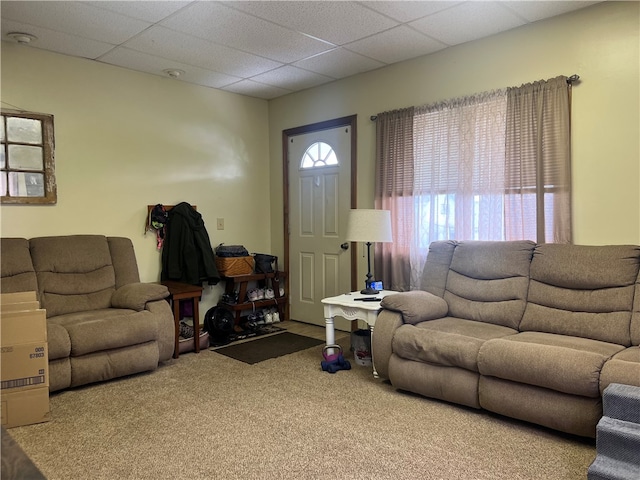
column 570, row 80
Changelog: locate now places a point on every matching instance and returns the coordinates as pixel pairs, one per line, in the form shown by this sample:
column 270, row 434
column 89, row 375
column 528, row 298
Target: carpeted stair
column 618, row 435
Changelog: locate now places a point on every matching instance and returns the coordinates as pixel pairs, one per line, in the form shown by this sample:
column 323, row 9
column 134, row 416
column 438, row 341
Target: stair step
column 605, row 468
column 619, row 440
column 622, row 402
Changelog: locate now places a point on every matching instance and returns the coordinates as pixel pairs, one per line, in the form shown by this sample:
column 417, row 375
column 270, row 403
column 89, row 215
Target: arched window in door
column 319, row 154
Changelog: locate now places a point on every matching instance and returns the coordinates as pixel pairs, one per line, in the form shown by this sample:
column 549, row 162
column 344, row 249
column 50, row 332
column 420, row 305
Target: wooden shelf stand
column 240, row 284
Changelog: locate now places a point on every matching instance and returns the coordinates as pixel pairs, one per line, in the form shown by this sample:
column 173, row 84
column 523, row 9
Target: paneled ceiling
column 263, row 49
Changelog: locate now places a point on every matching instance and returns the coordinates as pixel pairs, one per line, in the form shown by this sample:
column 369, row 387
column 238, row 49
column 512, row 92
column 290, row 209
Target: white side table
column 347, row 306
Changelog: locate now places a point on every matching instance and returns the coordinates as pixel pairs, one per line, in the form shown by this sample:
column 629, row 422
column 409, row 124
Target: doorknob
column 345, row 246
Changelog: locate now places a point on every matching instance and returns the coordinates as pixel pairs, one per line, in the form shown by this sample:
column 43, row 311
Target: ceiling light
column 22, row 38
column 173, row 72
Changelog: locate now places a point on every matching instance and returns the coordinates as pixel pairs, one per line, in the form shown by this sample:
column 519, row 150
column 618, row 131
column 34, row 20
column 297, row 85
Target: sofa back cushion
column 75, row 273
column 123, row 258
column 488, row 281
column 436, row 268
column 18, row 274
column 583, row 291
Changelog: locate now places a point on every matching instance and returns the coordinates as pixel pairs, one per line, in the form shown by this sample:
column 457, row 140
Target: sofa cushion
column 101, row 366
column 59, row 374
column 416, row 306
column 623, row 367
column 123, row 257
column 18, row 274
column 557, row 362
column 488, row 281
column 436, row 268
column 107, row 329
column 448, row 341
column 135, row 296
column 568, row 413
column 582, row 291
column 58, row 340
column 74, row 273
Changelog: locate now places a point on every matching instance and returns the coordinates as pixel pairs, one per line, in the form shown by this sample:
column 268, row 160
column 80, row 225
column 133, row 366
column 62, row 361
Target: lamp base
column 369, row 291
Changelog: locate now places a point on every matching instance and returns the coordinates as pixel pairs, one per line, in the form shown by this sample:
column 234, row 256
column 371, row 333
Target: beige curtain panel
column 537, row 163
column 394, row 192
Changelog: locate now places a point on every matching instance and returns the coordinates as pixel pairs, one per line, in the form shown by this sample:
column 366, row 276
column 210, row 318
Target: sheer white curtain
column 493, row 166
column 459, row 151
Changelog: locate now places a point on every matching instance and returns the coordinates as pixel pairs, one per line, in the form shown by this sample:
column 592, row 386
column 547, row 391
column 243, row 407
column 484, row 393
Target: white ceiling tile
column 149, row 11
column 58, row 42
column 396, row 45
column 255, row 89
column 218, row 43
column 335, row 22
column 226, row 26
column 127, row 58
column 539, row 9
column 468, row 21
column 76, row 19
column 292, row 78
column 406, row 11
column 339, row 63
column 166, row 43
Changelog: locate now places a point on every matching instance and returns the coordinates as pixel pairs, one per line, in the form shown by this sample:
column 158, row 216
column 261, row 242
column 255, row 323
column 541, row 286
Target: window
column 319, row 154
column 491, row 166
column 459, row 159
column 27, row 158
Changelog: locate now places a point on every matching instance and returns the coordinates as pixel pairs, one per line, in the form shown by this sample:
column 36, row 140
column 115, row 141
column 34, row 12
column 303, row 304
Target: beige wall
column 125, row 140
column 600, row 43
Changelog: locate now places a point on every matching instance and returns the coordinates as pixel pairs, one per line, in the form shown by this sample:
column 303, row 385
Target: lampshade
column 368, row 225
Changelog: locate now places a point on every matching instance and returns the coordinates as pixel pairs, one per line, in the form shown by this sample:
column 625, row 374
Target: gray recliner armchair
column 102, row 323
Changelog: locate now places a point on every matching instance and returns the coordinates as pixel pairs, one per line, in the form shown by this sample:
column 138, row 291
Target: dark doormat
column 241, row 335
column 264, row 348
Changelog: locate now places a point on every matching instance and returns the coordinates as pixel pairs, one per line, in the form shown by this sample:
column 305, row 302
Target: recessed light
column 173, row 72
column 22, row 38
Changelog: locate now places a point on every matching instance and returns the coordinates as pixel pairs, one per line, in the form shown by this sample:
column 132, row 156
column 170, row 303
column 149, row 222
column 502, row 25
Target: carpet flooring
column 207, row 416
column 264, row 348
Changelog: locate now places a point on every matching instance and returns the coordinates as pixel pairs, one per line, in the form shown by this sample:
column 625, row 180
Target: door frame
column 350, row 121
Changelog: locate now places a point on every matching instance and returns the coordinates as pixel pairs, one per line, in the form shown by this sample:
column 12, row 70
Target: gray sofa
column 102, row 323
column 533, row 332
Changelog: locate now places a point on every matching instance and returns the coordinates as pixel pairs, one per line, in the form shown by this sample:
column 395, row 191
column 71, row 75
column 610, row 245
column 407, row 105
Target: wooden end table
column 348, row 306
column 183, row 291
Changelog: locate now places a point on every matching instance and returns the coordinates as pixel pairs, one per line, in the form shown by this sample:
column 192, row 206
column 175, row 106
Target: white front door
column 319, row 200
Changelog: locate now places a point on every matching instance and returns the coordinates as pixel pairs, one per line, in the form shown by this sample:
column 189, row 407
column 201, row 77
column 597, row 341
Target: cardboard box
column 18, row 307
column 19, row 328
column 24, row 367
column 25, row 407
column 25, row 358
column 18, row 297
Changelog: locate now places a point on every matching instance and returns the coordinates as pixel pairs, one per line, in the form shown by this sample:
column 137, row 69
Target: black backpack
column 264, row 263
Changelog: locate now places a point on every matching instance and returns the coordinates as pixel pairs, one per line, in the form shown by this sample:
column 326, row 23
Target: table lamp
column 369, row 226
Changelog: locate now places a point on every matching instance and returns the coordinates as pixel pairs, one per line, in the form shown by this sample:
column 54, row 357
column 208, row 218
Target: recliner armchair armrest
column 416, row 306
column 135, row 296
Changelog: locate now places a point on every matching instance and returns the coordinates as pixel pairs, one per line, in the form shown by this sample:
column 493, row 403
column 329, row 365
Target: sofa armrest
column 382, row 339
column 135, row 296
column 416, row 306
